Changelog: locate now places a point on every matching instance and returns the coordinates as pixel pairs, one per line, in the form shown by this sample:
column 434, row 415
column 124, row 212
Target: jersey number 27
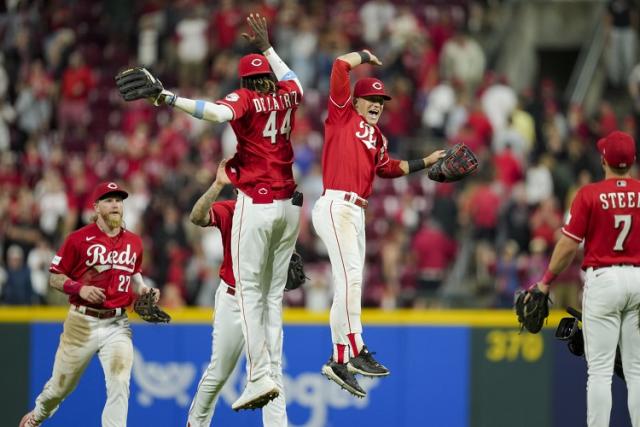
column 624, row 223
column 271, row 130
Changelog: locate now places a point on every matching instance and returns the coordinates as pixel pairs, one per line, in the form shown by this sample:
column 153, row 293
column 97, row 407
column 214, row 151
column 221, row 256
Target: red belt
column 98, row 313
column 358, row 201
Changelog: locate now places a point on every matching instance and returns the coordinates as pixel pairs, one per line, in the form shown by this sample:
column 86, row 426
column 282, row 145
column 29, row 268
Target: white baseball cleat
column 28, row 421
column 257, row 394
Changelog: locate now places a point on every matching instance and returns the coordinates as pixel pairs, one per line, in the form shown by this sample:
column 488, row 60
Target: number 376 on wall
column 511, row 345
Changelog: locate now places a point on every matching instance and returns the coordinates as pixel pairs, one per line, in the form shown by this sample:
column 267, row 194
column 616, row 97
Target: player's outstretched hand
column 432, row 158
column 373, row 59
column 260, row 36
column 92, row 294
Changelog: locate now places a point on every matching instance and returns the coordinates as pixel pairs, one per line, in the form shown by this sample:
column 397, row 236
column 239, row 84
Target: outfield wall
column 448, row 369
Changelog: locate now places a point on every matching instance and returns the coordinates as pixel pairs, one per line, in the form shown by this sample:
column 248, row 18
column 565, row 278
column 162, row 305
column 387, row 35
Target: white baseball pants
column 227, row 343
column 610, row 305
column 263, row 238
column 82, row 337
column 341, row 226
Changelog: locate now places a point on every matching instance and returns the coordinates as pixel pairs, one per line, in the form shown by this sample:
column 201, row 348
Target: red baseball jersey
column 354, row 151
column 91, row 257
column 221, row 216
column 606, row 215
column 263, row 124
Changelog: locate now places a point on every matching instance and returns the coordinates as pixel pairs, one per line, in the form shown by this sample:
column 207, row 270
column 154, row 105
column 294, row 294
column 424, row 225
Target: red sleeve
column 138, row 266
column 66, row 258
column 576, row 225
column 386, row 166
column 238, row 101
column 339, row 89
column 221, row 214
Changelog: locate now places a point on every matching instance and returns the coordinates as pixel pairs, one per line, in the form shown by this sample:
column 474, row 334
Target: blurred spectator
column 38, row 261
column 17, row 289
column 508, row 270
column 621, row 36
column 433, row 252
column 539, row 181
column 191, row 34
column 375, row 16
column 463, row 59
column 78, row 80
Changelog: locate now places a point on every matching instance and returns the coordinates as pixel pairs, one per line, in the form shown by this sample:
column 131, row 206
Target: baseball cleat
column 366, row 365
column 28, row 421
column 338, row 373
column 257, row 394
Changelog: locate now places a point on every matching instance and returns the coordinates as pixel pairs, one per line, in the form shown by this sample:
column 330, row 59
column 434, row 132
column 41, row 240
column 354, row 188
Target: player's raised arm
column 200, row 214
column 340, row 87
column 260, row 39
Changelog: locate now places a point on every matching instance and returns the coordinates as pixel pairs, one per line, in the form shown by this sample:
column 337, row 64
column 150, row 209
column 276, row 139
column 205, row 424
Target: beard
column 113, row 220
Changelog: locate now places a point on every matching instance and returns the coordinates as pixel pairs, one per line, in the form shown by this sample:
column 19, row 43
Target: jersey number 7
column 625, row 221
column 271, row 130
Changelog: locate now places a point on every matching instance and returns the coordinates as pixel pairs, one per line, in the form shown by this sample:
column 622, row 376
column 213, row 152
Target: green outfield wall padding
column 510, row 378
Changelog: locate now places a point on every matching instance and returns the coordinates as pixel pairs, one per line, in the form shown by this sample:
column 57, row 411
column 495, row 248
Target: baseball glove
column 532, row 314
column 138, row 83
column 458, row 162
column 569, row 330
column 295, row 275
column 148, row 309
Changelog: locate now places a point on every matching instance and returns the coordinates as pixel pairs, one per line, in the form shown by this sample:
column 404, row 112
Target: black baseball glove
column 295, row 275
column 148, row 309
column 138, row 83
column 532, row 313
column 458, row 162
column 569, row 330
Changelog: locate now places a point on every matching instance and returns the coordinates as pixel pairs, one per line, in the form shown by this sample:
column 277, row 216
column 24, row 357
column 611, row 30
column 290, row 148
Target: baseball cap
column 618, row 149
column 369, row 86
column 253, row 64
column 105, row 188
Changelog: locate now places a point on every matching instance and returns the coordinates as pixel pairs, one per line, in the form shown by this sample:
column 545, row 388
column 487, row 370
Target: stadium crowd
column 63, row 128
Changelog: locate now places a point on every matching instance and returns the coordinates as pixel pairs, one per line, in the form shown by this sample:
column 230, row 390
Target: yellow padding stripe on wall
column 479, row 318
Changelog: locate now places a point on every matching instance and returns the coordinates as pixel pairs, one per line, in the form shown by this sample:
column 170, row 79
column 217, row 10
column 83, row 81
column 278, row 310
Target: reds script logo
column 102, row 260
column 366, row 135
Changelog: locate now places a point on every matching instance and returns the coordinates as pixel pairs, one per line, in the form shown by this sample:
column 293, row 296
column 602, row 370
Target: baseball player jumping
column 266, row 221
column 227, row 339
column 354, row 152
column 606, row 216
column 98, row 266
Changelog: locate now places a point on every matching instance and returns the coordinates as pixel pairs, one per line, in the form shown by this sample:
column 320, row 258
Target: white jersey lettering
column 619, row 199
column 279, row 102
column 98, row 256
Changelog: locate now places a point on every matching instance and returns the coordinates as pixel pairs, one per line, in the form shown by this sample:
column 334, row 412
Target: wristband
column 416, row 165
column 172, row 100
column 364, row 57
column 71, row 287
column 549, row 276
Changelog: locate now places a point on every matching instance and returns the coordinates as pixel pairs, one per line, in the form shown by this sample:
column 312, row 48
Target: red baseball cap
column 105, row 188
column 618, row 149
column 253, row 64
column 369, row 86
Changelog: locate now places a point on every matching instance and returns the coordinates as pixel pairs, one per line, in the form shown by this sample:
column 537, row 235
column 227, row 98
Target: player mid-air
column 266, row 220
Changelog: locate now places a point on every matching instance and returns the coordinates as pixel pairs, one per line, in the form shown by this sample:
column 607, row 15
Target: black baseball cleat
column 339, row 373
column 366, row 365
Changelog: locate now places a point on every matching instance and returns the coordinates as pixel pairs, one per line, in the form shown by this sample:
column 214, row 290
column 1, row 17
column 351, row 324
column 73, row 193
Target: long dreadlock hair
column 261, row 83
